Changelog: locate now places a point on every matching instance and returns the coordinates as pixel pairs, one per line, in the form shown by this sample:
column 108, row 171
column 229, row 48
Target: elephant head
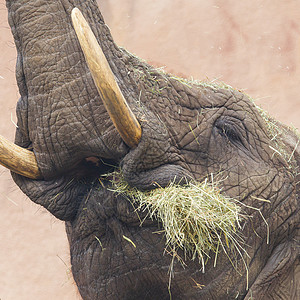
column 181, row 131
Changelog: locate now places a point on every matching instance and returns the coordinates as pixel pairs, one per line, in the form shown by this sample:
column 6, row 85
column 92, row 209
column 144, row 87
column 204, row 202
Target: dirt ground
column 252, row 45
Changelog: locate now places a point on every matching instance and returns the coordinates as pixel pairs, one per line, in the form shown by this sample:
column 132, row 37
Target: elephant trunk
column 109, row 91
column 59, row 112
column 23, row 162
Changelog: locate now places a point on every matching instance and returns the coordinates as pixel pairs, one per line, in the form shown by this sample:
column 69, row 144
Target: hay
column 195, row 217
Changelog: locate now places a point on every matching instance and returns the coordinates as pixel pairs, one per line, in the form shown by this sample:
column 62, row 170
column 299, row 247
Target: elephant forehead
column 193, row 111
column 204, row 94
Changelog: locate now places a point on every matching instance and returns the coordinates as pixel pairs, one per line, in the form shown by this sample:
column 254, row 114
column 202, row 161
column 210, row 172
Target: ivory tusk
column 18, row 159
column 120, row 113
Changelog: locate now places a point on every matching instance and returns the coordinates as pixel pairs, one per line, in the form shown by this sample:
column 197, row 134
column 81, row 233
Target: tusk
column 18, row 159
column 112, row 97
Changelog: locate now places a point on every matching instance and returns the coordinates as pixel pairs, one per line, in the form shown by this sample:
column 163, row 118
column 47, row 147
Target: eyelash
column 227, row 129
column 229, row 133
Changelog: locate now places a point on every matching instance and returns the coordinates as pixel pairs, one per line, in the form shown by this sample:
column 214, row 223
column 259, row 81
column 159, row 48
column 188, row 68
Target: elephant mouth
column 93, row 167
column 93, row 159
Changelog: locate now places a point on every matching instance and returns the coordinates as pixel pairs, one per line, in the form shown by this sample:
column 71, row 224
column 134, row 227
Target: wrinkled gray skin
column 61, row 117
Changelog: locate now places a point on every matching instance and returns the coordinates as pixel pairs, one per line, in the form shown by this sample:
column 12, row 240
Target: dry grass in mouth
column 195, row 218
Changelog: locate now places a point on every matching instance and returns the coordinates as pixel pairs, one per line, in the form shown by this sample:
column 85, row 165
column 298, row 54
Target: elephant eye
column 230, row 129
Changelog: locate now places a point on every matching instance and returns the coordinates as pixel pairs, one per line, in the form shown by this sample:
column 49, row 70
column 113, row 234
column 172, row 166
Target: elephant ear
column 280, row 277
column 292, row 141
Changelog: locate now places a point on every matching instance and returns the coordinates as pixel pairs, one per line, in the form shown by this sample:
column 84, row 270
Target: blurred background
column 252, row 45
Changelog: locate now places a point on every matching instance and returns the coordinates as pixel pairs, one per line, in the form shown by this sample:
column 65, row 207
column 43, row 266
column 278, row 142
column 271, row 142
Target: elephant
column 70, row 133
